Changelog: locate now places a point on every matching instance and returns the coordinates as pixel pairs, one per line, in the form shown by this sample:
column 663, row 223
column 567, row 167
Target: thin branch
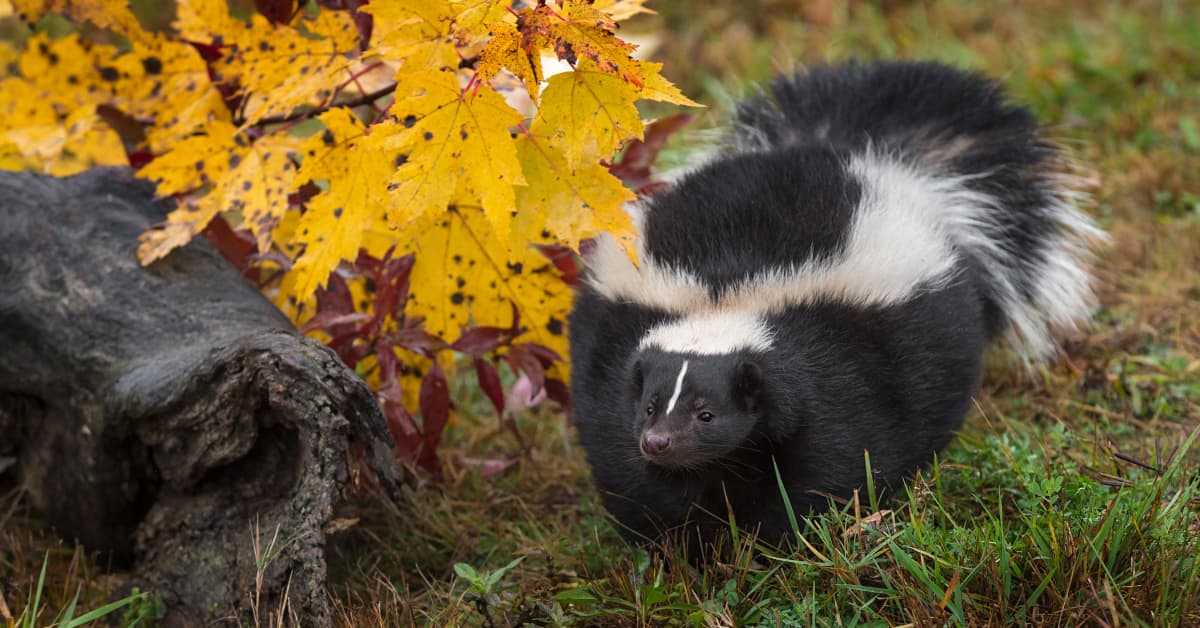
column 303, row 115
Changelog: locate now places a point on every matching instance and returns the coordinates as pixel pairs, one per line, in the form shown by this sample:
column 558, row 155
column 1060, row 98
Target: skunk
column 825, row 284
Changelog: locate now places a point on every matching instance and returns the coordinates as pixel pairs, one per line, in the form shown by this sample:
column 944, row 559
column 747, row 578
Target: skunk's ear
column 638, row 378
column 747, row 385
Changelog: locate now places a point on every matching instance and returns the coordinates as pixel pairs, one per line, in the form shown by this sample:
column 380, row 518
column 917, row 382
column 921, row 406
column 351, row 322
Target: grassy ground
column 1071, row 497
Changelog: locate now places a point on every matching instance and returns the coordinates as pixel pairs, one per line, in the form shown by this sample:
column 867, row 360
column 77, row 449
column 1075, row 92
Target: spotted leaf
column 590, row 113
column 355, row 166
column 463, row 276
column 454, row 140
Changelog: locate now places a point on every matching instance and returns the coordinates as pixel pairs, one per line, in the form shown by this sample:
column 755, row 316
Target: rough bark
column 169, row 416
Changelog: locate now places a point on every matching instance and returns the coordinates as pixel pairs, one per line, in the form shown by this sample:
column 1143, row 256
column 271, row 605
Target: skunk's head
column 692, row 409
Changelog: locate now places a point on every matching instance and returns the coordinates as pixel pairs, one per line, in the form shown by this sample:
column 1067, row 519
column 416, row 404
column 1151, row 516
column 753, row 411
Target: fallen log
column 170, row 416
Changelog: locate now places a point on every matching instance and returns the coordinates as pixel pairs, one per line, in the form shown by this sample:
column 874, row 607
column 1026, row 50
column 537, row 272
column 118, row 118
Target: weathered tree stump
column 169, row 416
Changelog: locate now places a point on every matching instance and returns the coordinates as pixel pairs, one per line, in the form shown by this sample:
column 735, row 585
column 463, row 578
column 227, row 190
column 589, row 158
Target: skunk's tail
column 1007, row 195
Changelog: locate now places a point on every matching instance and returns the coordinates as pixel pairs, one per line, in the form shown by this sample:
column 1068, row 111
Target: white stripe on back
column 711, row 334
column 909, row 231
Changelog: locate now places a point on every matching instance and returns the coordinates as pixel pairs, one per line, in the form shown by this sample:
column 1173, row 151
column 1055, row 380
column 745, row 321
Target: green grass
column 1070, row 498
column 34, row 614
column 1020, row 522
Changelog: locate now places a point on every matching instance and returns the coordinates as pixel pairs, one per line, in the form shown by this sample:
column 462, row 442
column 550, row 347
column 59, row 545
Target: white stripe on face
column 678, row 388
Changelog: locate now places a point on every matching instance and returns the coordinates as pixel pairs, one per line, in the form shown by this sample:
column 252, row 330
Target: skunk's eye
column 705, row 416
column 650, row 410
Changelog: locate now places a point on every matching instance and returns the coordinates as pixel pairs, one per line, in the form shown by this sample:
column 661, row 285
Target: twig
column 304, row 115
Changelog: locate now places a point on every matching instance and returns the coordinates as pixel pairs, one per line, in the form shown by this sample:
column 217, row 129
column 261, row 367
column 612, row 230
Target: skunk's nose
column 655, row 443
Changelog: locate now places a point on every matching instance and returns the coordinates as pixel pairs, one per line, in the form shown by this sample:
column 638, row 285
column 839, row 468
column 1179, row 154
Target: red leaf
column 564, row 260
column 389, row 365
column 523, row 360
column 140, row 158
column 131, row 131
column 480, row 341
column 208, row 52
column 489, row 383
column 369, row 263
column 390, row 278
column 417, row 340
column 651, row 188
column 401, row 424
column 347, row 348
column 365, row 22
column 515, row 329
column 277, row 11
column 335, row 296
column 336, row 315
column 412, row 442
column 557, row 391
column 636, row 165
column 545, row 355
column 405, row 435
column 237, row 247
column 434, row 400
column 229, row 90
column 391, row 285
column 390, row 394
column 330, row 321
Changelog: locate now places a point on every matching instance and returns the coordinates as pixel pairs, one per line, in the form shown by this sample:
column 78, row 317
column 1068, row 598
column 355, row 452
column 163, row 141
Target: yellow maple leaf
column 6, row 8
column 590, row 112
column 276, row 67
column 477, row 17
column 196, row 161
column 171, row 86
column 39, row 143
column 201, row 20
column 158, row 80
column 415, row 32
column 180, row 227
column 567, row 204
column 258, row 185
column 335, row 27
column 53, row 131
column 578, row 32
column 356, row 165
column 250, row 178
column 18, row 110
column 659, row 88
column 504, row 50
column 454, row 138
column 64, row 71
column 11, row 158
column 88, row 143
column 620, row 10
column 463, row 276
column 286, row 69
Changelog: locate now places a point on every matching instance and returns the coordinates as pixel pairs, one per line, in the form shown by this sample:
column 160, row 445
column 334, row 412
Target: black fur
column 793, row 203
column 918, row 108
column 840, row 378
